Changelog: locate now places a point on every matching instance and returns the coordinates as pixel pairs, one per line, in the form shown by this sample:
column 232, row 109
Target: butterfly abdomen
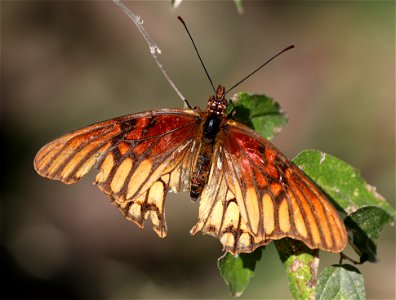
column 202, row 167
column 211, row 126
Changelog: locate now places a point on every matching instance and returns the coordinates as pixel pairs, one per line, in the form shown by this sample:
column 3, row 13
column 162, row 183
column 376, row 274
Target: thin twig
column 154, row 49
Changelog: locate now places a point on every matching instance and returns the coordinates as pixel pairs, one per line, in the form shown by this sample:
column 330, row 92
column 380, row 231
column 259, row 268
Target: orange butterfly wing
column 140, row 158
column 255, row 195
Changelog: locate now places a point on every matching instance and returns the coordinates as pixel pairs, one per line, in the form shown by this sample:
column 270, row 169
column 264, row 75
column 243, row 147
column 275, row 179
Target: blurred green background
column 67, row 64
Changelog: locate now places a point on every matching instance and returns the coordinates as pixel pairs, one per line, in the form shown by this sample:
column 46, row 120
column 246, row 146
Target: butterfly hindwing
column 219, row 212
column 140, row 158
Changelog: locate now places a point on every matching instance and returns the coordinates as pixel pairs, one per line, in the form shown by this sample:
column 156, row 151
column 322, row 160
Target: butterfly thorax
column 217, row 104
column 215, row 116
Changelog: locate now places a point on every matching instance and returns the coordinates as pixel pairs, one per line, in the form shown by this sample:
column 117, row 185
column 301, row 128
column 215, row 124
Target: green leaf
column 367, row 212
column 341, row 181
column 259, row 112
column 237, row 270
column 340, row 282
column 364, row 226
column 301, row 264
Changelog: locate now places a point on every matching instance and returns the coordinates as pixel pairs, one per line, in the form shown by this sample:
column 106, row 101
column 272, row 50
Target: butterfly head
column 217, row 103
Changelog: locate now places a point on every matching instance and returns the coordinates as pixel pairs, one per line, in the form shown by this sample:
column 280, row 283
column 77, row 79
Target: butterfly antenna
column 196, row 50
column 268, row 61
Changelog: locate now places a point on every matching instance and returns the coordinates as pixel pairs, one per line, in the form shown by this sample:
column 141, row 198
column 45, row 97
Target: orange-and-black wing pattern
column 140, row 158
column 255, row 195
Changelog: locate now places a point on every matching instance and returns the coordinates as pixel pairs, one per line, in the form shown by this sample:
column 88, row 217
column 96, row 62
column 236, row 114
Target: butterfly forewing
column 273, row 198
column 140, row 157
column 71, row 156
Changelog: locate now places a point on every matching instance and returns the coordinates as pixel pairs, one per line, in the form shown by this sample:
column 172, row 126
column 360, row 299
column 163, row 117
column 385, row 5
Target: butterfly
column 249, row 193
